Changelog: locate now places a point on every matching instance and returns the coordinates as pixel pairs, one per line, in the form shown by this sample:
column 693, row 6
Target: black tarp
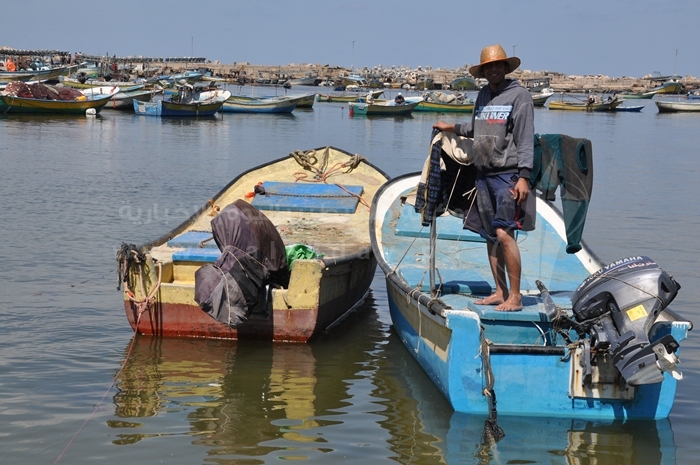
column 252, row 257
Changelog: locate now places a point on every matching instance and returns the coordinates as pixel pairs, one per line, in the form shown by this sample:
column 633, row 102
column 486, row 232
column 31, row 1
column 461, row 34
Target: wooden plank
column 308, row 197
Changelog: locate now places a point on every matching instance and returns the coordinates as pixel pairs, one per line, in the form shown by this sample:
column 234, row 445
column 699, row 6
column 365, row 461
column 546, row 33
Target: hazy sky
column 609, row 37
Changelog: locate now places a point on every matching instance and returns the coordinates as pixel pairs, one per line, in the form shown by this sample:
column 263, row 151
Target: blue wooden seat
column 197, row 254
column 308, row 197
column 193, row 239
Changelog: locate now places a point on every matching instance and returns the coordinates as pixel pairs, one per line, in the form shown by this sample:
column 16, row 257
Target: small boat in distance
column 680, row 105
column 347, row 97
column 247, row 104
column 540, row 98
column 186, row 101
column 464, row 83
column 385, row 108
column 630, row 108
column 443, row 102
column 124, row 99
column 317, row 202
column 592, row 103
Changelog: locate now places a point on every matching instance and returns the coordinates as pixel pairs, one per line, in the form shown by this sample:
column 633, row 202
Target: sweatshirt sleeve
column 524, row 133
column 464, row 129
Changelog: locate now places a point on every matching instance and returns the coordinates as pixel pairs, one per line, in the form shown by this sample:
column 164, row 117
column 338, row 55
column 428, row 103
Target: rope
column 492, row 432
column 309, row 159
column 126, row 256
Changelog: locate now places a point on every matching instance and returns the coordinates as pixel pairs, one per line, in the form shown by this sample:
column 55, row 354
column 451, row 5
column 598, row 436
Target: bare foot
column 514, row 303
column 493, row 299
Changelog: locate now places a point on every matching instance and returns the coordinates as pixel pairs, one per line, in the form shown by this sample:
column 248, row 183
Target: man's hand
column 442, row 126
column 521, row 190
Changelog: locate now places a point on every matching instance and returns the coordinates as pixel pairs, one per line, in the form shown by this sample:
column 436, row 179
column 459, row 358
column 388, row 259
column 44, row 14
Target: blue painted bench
column 308, row 197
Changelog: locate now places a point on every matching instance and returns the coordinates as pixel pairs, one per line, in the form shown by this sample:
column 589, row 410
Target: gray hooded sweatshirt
column 503, row 128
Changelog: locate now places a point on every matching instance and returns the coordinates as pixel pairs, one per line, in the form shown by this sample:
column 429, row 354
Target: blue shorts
column 497, row 208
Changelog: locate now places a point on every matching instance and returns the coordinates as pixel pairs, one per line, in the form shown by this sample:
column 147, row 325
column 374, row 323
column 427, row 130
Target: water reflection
column 247, row 400
column 459, row 438
column 355, row 394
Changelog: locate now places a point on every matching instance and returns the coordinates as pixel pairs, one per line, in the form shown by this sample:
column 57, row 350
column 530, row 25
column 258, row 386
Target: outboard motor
column 617, row 306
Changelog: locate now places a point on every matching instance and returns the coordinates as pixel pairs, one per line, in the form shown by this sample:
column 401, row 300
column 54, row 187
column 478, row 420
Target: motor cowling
column 617, row 307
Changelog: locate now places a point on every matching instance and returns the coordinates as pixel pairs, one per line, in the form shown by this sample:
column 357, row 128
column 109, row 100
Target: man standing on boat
column 502, row 126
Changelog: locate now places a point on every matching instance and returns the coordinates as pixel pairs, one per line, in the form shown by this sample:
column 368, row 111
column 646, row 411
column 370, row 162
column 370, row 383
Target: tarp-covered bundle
column 252, row 257
column 42, row 91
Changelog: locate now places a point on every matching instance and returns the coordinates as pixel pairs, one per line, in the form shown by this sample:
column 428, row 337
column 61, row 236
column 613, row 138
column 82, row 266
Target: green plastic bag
column 299, row 251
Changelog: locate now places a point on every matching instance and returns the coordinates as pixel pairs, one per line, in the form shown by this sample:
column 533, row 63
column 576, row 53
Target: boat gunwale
column 192, row 219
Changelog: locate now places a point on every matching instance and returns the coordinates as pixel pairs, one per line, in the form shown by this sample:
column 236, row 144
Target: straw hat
column 489, row 55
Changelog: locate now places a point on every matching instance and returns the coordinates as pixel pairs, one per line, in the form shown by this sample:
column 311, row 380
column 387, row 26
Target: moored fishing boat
column 592, row 104
column 385, row 108
column 124, row 99
column 347, row 97
column 680, row 105
column 327, row 211
column 185, row 102
column 64, row 101
column 539, row 98
column 247, row 104
column 441, row 102
column 592, row 340
column 629, row 108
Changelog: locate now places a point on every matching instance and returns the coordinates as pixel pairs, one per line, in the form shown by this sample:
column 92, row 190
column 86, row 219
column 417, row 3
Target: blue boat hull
column 461, row 345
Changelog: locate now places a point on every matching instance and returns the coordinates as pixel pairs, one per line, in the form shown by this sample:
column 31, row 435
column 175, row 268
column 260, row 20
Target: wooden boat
column 672, row 106
column 187, row 77
column 539, row 98
column 598, row 105
column 439, row 107
column 308, row 80
column 185, row 102
column 530, row 361
column 464, row 83
column 37, row 75
column 9, row 76
column 247, row 104
column 329, row 214
column 537, row 85
column 386, row 108
column 347, row 97
column 124, row 100
column 635, row 95
column 443, row 103
column 306, row 100
column 629, row 108
column 670, row 86
column 95, row 100
column 95, row 82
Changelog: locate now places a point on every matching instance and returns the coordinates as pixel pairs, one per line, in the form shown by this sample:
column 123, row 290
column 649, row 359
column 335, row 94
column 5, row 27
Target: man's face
column 495, row 72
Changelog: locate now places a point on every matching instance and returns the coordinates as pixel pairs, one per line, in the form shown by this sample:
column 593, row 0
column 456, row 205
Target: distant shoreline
column 440, row 77
column 393, row 76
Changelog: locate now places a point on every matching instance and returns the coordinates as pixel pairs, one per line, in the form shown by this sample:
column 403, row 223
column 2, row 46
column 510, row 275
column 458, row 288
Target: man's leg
column 497, row 262
column 511, row 259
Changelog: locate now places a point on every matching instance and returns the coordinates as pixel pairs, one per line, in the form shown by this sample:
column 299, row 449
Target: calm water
column 72, row 189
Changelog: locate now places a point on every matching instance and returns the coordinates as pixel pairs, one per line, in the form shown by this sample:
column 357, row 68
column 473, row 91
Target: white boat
column 672, row 106
column 308, row 80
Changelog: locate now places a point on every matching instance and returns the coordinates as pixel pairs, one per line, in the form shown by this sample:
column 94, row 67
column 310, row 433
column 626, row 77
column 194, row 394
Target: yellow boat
column 96, row 100
column 318, row 199
column 445, row 107
column 597, row 105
